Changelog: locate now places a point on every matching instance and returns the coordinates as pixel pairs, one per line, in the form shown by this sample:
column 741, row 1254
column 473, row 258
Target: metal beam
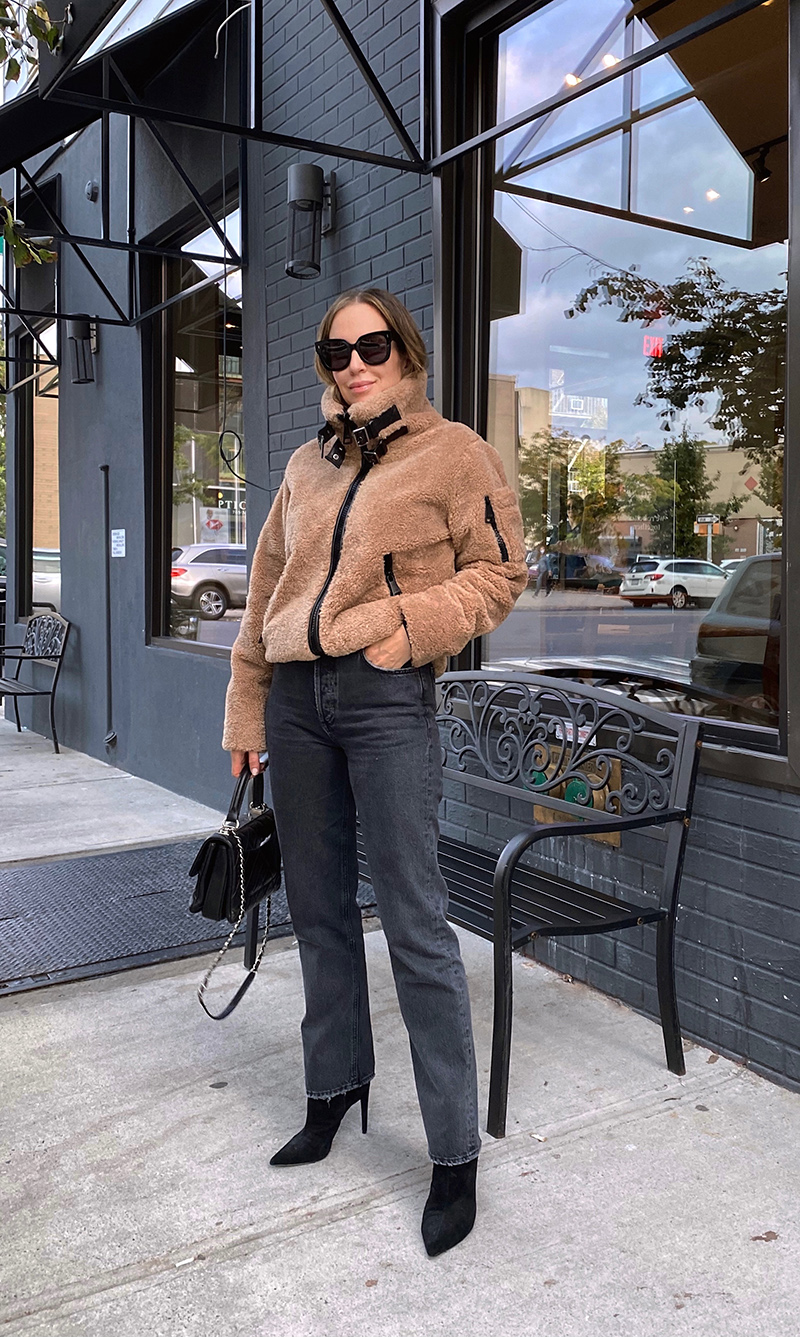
column 692, row 31
column 317, row 146
column 134, row 248
column 28, row 328
column 55, row 219
column 371, row 80
column 63, row 315
column 182, row 295
column 627, row 216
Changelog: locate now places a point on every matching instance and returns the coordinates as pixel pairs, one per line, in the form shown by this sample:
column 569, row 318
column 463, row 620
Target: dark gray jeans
column 343, row 735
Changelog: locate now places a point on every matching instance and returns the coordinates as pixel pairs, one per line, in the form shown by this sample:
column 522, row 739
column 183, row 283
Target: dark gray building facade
column 609, row 272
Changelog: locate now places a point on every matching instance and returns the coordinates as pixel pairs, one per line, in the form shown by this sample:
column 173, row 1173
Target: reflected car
column 577, row 571
column 211, row 578
column 46, row 566
column 676, row 581
column 738, row 641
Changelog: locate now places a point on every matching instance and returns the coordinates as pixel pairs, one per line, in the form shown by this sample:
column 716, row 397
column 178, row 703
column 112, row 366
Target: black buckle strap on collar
column 336, row 452
column 371, row 432
column 363, row 437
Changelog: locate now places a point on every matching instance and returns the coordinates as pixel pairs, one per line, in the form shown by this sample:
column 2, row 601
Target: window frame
column 158, row 392
column 464, row 34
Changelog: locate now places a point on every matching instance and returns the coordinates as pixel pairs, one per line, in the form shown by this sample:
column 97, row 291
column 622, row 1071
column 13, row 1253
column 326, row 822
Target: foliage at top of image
column 22, row 27
column 734, row 348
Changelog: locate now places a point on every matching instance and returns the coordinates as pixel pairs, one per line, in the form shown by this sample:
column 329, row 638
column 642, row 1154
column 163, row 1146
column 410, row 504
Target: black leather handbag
column 236, row 868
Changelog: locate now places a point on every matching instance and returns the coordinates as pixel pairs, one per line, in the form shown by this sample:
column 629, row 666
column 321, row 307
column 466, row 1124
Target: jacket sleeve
column 490, row 571
column 250, row 673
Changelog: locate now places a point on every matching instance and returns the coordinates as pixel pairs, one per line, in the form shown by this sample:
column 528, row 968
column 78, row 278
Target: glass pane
column 208, row 540
column 46, row 557
column 636, row 385
column 593, row 173
column 713, row 189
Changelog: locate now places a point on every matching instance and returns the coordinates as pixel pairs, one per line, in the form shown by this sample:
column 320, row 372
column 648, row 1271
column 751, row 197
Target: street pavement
column 137, row 1199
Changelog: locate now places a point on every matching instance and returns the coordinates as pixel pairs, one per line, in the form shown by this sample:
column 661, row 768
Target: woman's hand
column 241, row 759
column 392, row 652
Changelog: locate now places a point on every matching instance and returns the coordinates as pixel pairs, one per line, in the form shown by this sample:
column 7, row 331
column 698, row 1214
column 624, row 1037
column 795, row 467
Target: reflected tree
column 592, row 470
column 732, row 351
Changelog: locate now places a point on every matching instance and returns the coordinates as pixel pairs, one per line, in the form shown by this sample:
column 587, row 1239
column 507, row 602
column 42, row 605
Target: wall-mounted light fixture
column 82, row 337
column 312, row 204
column 762, row 172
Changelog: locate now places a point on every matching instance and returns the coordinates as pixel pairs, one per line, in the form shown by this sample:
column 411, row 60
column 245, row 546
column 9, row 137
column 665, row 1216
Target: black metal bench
column 592, row 762
column 45, row 641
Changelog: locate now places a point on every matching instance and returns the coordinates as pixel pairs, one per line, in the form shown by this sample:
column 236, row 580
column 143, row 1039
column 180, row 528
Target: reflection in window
column 203, row 347
column 45, row 530
column 637, row 349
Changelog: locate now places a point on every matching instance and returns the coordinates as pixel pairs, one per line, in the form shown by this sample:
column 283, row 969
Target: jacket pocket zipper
column 490, row 520
column 388, row 571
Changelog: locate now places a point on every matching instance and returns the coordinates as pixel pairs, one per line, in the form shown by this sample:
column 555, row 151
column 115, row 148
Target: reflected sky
column 566, row 249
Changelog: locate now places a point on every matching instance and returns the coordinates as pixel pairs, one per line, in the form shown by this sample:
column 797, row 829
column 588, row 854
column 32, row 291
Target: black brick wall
column 383, row 225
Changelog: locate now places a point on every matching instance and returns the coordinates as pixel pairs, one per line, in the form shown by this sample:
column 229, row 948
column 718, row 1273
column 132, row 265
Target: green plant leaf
column 13, row 70
column 37, row 27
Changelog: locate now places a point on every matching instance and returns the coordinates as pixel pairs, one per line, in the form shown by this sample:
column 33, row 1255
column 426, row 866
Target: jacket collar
column 372, row 423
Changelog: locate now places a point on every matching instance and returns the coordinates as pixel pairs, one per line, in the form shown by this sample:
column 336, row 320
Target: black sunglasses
column 373, row 349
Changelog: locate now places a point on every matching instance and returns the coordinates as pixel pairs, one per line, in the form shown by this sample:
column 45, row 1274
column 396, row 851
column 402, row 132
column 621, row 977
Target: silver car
column 211, row 577
column 676, row 581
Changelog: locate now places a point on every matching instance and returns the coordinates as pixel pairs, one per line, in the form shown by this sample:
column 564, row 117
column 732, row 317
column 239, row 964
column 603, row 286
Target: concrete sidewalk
column 135, row 1134
column 55, row 806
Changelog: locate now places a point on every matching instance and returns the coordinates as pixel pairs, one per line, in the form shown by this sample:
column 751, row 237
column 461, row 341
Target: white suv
column 678, row 581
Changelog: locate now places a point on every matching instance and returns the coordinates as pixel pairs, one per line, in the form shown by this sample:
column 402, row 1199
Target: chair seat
column 10, row 687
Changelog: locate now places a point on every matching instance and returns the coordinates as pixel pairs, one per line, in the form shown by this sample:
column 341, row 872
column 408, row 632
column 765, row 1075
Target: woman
column 393, row 540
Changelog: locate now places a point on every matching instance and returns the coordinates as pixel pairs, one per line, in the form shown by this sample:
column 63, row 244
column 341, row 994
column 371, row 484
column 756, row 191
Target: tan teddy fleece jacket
column 429, row 536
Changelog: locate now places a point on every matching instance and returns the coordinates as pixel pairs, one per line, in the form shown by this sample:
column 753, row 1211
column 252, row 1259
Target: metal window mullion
column 628, row 79
column 789, row 686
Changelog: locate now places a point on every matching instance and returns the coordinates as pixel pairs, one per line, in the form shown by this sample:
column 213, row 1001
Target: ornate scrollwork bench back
column 568, row 746
column 594, row 762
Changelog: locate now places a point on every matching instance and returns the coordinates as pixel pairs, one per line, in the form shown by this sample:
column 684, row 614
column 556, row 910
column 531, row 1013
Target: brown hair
column 398, row 319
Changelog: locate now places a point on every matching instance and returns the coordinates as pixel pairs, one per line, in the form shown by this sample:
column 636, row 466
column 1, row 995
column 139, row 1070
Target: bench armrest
column 517, row 845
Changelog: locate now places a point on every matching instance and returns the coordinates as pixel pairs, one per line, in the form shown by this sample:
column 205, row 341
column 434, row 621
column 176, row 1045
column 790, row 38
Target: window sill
column 748, row 767
column 190, row 647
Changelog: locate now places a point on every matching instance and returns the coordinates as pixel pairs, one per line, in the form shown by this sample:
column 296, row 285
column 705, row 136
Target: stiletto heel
column 323, row 1117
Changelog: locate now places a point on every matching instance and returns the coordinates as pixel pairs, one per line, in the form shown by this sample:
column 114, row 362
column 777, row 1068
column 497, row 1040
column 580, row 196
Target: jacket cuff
column 245, row 704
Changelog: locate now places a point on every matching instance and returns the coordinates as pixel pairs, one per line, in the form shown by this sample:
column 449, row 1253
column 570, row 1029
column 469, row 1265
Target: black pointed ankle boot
column 323, row 1117
column 449, row 1213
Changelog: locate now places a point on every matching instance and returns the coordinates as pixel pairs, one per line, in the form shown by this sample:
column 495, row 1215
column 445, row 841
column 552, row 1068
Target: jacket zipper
column 336, row 552
column 388, row 571
column 490, row 520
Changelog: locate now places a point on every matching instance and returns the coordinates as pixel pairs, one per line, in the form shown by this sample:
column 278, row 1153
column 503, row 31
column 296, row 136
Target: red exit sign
column 653, row 345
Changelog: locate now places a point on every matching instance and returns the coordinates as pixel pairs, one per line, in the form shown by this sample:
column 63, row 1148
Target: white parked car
column 678, row 581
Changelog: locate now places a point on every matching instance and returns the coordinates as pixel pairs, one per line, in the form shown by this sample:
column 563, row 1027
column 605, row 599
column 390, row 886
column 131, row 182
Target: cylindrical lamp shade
column 79, row 334
column 304, row 240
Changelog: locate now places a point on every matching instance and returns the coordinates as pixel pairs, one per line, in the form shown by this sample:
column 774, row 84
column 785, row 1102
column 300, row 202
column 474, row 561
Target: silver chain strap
column 229, row 828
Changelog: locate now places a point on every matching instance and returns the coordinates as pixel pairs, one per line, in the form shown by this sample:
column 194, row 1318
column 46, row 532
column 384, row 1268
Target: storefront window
column 637, row 349
column 205, row 462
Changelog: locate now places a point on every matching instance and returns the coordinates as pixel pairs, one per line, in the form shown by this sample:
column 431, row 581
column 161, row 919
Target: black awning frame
column 419, row 159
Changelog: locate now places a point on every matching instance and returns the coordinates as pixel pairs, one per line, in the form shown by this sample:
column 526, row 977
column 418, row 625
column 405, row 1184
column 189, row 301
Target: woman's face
column 359, row 380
